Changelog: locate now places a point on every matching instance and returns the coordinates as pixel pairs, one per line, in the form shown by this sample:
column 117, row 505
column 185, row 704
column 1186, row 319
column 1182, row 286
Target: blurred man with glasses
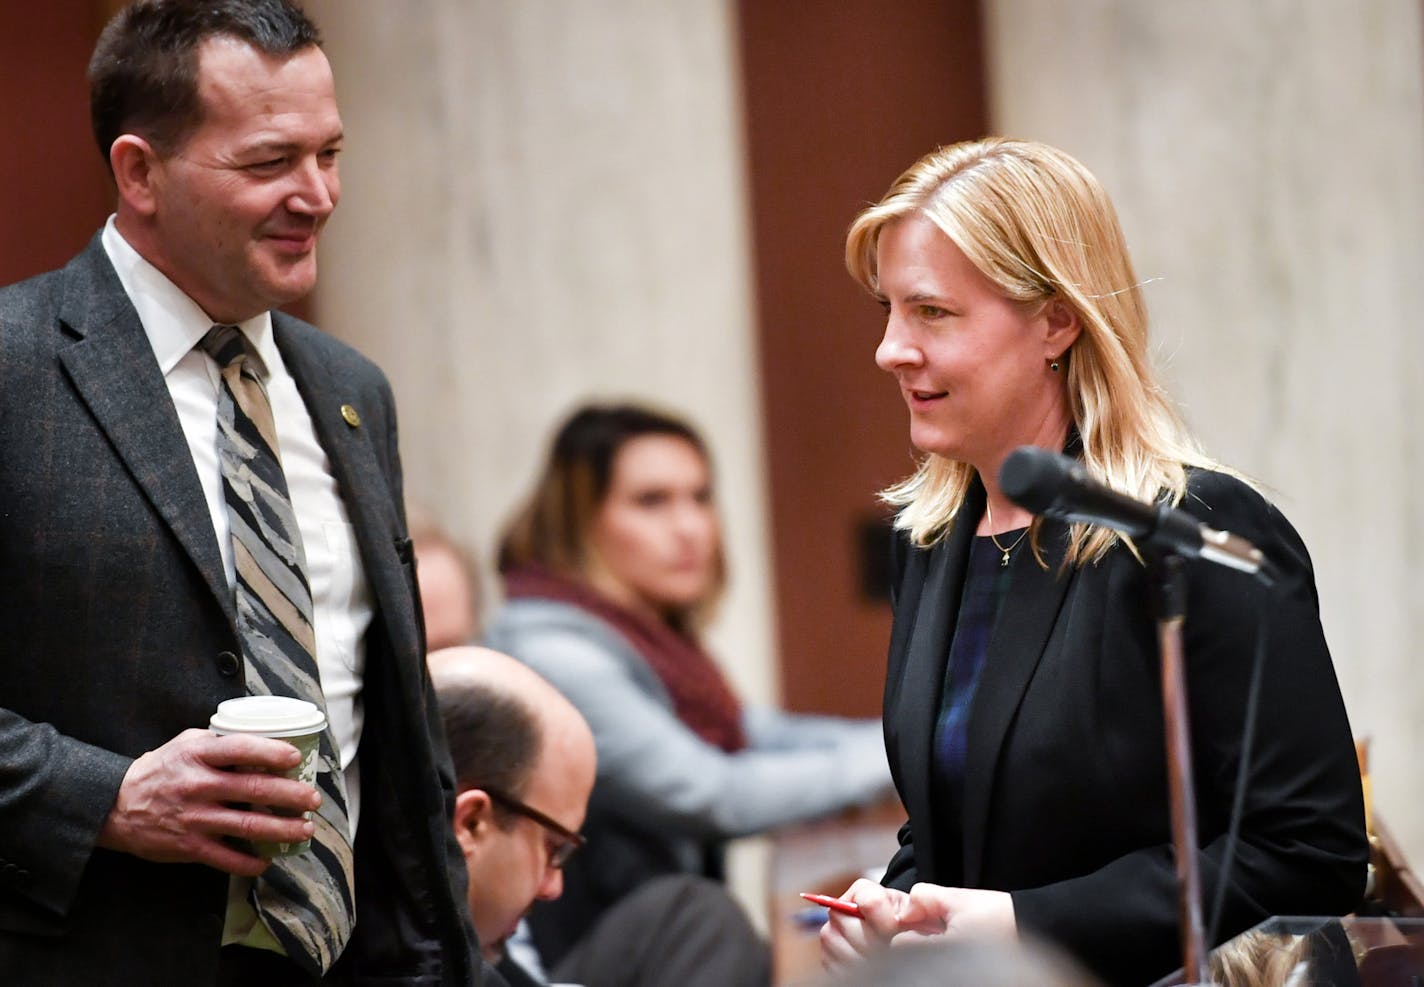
column 524, row 767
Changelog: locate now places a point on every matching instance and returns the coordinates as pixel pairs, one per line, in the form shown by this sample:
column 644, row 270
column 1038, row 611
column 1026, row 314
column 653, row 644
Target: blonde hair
column 1259, row 959
column 1038, row 225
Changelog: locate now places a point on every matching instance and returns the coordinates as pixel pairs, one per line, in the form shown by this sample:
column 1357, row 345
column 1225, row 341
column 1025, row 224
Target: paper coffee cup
column 296, row 721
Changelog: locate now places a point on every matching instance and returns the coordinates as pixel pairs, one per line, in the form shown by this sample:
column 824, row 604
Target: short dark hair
column 493, row 736
column 143, row 75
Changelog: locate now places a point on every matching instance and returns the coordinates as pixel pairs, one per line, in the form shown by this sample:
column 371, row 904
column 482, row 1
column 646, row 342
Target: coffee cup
column 299, row 723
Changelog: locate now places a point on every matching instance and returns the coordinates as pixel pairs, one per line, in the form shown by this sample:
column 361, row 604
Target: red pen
column 835, row 904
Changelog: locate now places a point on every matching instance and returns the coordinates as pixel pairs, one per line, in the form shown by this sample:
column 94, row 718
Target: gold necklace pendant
column 1004, row 561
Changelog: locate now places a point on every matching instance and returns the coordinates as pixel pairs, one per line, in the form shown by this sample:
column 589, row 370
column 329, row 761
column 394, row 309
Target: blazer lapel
column 112, row 366
column 921, row 680
column 359, row 475
column 1034, row 600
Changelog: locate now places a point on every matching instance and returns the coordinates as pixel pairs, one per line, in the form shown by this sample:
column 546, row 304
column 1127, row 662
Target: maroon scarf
column 701, row 697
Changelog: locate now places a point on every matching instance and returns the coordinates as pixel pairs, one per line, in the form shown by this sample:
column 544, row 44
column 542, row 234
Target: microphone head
column 1034, row 478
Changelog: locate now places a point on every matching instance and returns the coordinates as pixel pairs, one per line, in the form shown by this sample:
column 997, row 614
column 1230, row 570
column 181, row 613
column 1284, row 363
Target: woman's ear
column 136, row 165
column 1063, row 328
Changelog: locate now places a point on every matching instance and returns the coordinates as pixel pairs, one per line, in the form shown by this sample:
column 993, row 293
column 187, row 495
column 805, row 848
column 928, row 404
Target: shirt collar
column 174, row 322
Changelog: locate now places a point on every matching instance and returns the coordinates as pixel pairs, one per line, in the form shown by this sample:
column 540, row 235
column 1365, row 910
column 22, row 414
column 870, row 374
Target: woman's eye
column 653, row 498
column 932, row 312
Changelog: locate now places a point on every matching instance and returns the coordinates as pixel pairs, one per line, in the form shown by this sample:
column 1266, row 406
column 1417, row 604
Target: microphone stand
column 1167, row 573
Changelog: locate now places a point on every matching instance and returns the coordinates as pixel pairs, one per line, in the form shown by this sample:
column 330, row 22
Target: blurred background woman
column 610, row 571
column 1023, row 707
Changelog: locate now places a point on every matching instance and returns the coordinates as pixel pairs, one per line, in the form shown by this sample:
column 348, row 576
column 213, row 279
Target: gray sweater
column 793, row 768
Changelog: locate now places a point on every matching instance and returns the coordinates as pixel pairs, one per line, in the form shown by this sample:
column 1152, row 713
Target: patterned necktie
column 306, row 901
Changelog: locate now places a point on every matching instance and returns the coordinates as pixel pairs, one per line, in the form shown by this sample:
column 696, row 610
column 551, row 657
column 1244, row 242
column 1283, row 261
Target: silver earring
column 1053, row 366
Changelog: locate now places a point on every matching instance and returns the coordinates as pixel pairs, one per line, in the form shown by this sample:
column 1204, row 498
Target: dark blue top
column 985, row 584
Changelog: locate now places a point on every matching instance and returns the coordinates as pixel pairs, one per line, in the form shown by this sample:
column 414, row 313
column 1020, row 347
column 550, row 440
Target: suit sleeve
column 55, row 795
column 1302, row 846
column 56, row 790
column 900, row 872
column 454, row 857
column 434, row 728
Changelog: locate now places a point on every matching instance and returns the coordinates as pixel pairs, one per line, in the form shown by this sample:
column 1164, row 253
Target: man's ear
column 1064, row 328
column 474, row 819
column 135, row 164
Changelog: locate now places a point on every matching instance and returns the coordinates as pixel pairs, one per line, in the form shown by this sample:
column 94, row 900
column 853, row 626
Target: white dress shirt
column 341, row 596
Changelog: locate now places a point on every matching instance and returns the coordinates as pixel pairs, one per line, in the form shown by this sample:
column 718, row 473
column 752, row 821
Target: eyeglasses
column 559, row 851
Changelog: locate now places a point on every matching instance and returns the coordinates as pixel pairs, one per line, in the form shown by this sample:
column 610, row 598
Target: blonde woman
column 1022, row 705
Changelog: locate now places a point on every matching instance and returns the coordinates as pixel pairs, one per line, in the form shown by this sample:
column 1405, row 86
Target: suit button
column 228, row 665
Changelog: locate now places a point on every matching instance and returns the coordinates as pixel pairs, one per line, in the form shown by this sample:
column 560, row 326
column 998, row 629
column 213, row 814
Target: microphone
column 1059, row 487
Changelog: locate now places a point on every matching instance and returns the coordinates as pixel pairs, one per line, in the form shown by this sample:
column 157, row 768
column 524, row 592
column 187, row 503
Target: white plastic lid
column 270, row 716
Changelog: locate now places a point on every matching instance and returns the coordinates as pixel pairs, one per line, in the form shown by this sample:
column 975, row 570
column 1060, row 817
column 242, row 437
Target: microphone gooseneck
column 1059, row 487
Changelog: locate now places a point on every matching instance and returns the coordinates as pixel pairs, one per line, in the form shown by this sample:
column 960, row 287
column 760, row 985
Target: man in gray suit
column 125, row 611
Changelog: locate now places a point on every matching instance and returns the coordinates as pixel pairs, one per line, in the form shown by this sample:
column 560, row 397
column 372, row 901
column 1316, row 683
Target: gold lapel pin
column 352, row 417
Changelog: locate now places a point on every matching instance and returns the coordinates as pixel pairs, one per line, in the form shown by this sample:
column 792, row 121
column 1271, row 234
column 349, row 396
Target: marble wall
column 1267, row 159
column 543, row 202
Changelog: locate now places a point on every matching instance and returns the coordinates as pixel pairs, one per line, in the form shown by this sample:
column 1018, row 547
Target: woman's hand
column 845, row 938
column 932, row 911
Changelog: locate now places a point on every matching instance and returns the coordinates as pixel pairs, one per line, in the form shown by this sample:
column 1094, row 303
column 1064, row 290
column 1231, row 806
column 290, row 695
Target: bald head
column 524, row 760
column 501, row 717
column 469, row 665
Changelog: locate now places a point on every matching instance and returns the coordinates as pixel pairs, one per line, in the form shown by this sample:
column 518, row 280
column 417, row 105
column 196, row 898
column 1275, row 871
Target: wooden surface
column 1393, row 884
column 822, row 857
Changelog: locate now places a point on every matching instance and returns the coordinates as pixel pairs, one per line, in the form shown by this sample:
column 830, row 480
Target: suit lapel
column 1031, row 609
column 359, row 475
column 921, row 682
column 113, row 368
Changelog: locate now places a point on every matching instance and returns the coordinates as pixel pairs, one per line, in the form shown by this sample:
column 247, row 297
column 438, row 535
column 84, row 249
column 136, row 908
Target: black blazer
column 1065, row 799
column 116, row 628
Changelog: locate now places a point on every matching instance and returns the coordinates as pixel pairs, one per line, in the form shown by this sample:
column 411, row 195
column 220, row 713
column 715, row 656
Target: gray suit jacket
column 116, row 633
